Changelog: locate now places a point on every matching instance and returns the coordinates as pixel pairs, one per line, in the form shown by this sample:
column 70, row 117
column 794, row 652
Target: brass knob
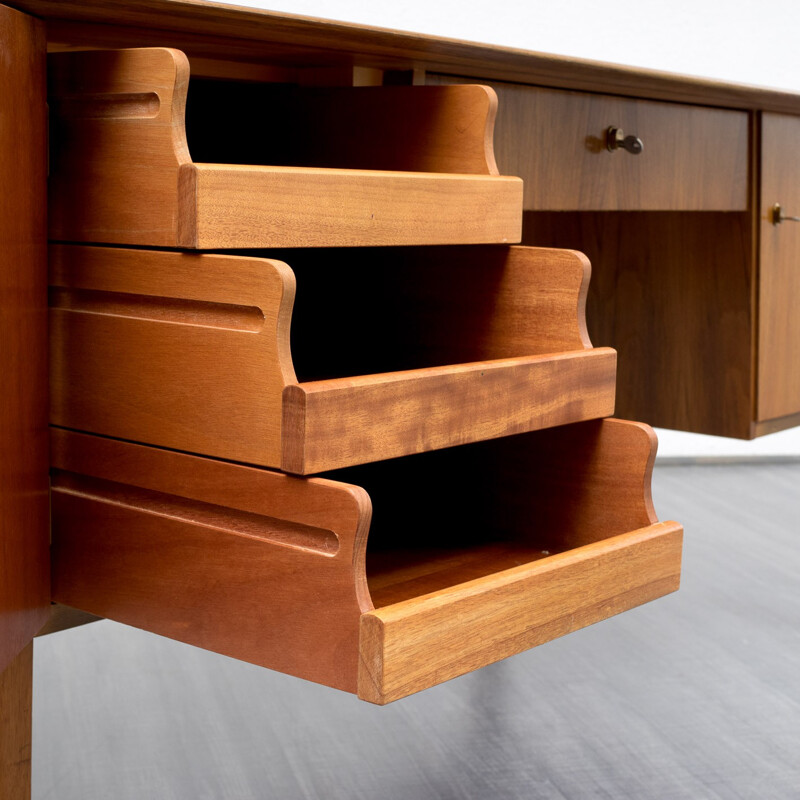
column 617, row 140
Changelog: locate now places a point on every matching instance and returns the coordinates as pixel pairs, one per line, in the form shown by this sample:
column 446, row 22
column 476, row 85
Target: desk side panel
column 24, row 571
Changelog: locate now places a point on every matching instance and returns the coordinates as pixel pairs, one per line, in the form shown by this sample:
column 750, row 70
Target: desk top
column 213, row 30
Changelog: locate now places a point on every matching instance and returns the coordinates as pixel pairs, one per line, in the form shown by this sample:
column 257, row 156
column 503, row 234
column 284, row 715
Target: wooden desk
column 694, row 283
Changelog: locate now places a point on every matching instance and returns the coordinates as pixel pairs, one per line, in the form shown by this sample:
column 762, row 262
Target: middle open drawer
column 391, row 352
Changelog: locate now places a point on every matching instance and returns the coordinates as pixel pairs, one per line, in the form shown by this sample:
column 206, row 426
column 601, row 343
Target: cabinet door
column 779, row 281
column 24, row 535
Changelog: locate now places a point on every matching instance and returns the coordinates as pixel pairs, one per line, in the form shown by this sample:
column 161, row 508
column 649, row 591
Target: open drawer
column 391, row 352
column 287, row 166
column 473, row 555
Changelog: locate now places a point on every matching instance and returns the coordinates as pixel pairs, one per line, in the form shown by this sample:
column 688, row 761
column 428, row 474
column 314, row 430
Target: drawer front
column 693, row 158
column 779, row 271
column 412, row 645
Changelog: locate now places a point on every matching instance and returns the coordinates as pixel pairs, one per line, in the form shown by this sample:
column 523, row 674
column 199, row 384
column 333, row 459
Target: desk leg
column 16, row 696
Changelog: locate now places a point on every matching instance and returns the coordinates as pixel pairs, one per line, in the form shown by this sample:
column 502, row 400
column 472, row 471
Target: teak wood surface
column 24, row 578
column 694, row 158
column 673, row 293
column 229, row 44
column 122, row 172
column 16, row 700
column 192, row 351
column 254, row 564
column 275, row 570
column 779, row 276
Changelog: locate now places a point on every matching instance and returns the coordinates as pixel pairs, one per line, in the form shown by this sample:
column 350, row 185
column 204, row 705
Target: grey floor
column 696, row 695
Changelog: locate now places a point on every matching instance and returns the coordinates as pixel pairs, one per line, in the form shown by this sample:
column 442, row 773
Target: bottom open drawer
column 474, row 553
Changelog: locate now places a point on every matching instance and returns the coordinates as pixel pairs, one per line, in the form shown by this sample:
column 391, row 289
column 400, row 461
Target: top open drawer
column 346, row 166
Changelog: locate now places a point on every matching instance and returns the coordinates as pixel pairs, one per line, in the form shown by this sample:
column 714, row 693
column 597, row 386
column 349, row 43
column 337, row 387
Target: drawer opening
column 430, row 348
column 444, row 518
column 142, row 154
column 384, row 128
column 371, row 311
column 475, row 556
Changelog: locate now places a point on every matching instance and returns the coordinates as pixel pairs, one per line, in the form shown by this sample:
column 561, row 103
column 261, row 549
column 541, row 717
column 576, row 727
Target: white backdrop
column 736, row 40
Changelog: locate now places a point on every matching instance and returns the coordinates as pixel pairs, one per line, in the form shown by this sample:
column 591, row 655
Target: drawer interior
column 444, row 518
column 398, row 128
column 370, row 311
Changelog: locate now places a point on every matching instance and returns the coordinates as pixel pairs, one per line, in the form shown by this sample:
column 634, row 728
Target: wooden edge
column 241, row 206
column 418, row 410
column 415, row 644
column 583, row 293
column 63, row 618
column 491, row 119
column 242, row 172
column 180, row 94
column 16, row 717
column 256, row 35
column 651, row 445
column 293, row 430
column 187, row 233
column 24, row 524
column 766, row 426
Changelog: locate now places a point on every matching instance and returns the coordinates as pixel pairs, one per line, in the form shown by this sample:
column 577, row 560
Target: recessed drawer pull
column 617, row 140
column 777, row 216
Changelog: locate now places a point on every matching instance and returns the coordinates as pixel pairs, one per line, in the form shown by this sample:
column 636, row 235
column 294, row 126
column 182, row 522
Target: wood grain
column 334, row 423
column 122, row 171
column 192, row 351
column 217, row 555
column 16, row 700
column 259, row 36
column 779, row 273
column 412, row 645
column 24, row 579
column 182, row 350
column 571, row 493
column 774, row 425
column 272, row 569
column 118, row 139
column 694, row 159
column 673, row 294
column 238, row 206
